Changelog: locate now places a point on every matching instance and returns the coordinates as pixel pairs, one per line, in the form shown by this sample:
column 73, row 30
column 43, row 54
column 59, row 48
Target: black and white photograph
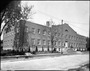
column 44, row 35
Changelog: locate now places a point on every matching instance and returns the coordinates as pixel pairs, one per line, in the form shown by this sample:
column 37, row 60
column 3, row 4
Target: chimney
column 61, row 21
column 48, row 23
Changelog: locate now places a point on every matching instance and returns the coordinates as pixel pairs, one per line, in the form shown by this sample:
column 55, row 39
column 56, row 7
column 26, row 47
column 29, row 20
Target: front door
column 66, row 44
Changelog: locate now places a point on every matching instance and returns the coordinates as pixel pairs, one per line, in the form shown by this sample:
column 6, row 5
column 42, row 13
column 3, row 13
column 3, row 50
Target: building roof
column 65, row 24
column 37, row 24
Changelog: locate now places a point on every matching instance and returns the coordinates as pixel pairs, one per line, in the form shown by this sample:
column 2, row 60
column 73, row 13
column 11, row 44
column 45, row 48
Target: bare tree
column 12, row 15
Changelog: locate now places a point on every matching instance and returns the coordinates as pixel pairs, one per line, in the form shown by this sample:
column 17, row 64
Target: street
column 48, row 63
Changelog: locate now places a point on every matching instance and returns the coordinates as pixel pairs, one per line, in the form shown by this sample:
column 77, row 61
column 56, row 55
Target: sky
column 74, row 13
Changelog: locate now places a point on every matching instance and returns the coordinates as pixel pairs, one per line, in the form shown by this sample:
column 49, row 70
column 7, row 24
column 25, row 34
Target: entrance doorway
column 66, row 44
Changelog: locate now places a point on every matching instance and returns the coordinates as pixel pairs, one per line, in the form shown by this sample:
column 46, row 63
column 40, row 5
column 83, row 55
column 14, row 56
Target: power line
column 47, row 14
column 79, row 27
column 61, row 19
column 75, row 22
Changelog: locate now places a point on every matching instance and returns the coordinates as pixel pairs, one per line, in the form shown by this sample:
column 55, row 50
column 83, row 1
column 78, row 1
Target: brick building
column 31, row 36
column 8, row 39
column 39, row 36
column 65, row 36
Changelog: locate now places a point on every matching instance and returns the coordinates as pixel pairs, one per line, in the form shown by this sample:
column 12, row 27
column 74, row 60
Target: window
column 11, row 40
column 49, row 42
column 77, row 38
column 26, row 29
column 17, row 30
column 44, row 32
column 69, row 37
column 44, row 42
column 59, row 34
column 62, row 35
column 12, row 29
column 38, row 31
column 63, row 44
column 55, row 34
column 33, row 30
column 74, row 38
column 66, row 36
column 77, row 44
column 38, row 41
column 49, row 33
column 33, row 41
column 70, row 44
column 74, row 44
column 56, row 43
column 59, row 43
column 55, row 30
column 66, row 30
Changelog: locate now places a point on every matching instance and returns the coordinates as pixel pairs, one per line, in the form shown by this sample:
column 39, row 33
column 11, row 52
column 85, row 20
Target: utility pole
column 62, row 36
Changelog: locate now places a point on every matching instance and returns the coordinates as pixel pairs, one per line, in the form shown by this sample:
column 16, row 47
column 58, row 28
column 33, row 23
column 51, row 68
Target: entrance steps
column 69, row 50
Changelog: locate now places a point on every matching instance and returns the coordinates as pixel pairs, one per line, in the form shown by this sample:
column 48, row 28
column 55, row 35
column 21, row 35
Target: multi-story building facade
column 8, row 39
column 32, row 36
column 38, row 36
column 67, row 37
